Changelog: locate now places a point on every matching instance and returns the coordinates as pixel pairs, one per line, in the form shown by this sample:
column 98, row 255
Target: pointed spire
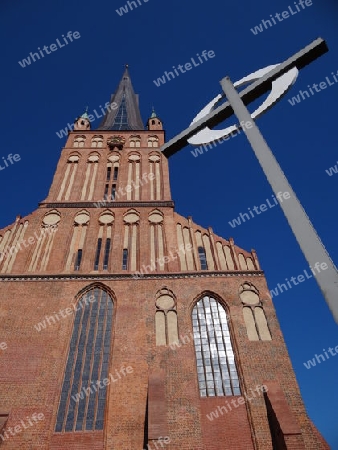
column 153, row 114
column 126, row 116
column 85, row 114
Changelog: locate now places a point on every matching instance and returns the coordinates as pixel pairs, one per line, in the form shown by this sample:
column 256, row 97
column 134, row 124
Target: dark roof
column 127, row 115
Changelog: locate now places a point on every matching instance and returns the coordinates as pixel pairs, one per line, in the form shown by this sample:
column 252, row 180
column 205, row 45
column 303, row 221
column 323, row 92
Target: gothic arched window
column 83, row 394
column 216, row 368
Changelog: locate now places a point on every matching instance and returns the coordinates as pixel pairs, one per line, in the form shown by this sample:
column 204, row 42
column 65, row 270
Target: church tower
column 127, row 326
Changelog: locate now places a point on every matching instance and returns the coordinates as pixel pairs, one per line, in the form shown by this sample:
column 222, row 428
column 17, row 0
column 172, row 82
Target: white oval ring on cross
column 279, row 88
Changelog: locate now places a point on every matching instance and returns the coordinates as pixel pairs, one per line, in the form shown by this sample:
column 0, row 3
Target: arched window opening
column 83, row 395
column 216, row 368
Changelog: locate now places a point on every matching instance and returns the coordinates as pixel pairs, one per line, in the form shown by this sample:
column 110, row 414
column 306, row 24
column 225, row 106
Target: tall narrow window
column 106, row 191
column 108, row 173
column 83, row 395
column 216, row 368
column 106, row 254
column 113, row 191
column 203, row 258
column 125, row 259
column 97, row 256
column 78, row 259
column 116, row 172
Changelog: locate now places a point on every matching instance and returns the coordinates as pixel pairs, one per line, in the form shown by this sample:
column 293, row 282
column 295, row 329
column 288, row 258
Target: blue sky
column 40, row 99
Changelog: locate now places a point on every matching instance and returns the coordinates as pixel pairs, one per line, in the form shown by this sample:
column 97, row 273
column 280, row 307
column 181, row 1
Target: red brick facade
column 161, row 394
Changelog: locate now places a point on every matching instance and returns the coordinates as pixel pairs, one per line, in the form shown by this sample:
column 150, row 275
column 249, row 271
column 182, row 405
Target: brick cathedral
column 127, row 326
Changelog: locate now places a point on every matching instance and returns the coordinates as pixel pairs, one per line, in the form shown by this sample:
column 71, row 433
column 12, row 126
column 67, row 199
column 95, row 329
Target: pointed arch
column 83, row 395
column 95, row 285
column 215, row 359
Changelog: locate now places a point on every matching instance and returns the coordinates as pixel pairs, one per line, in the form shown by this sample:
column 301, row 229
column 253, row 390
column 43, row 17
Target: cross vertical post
column 305, row 234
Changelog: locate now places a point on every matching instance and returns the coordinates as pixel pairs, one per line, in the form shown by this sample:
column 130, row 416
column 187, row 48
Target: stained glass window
column 83, row 394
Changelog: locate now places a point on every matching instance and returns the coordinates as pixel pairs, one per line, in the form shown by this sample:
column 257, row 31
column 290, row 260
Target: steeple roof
column 85, row 114
column 127, row 115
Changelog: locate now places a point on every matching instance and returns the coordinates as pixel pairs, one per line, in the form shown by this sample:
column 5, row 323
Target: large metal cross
column 314, row 251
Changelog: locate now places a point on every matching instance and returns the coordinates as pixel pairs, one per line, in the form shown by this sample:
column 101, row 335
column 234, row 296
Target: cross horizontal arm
column 300, row 59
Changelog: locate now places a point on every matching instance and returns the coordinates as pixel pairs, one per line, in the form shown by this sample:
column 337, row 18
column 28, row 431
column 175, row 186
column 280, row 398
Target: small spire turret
column 154, row 122
column 82, row 122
